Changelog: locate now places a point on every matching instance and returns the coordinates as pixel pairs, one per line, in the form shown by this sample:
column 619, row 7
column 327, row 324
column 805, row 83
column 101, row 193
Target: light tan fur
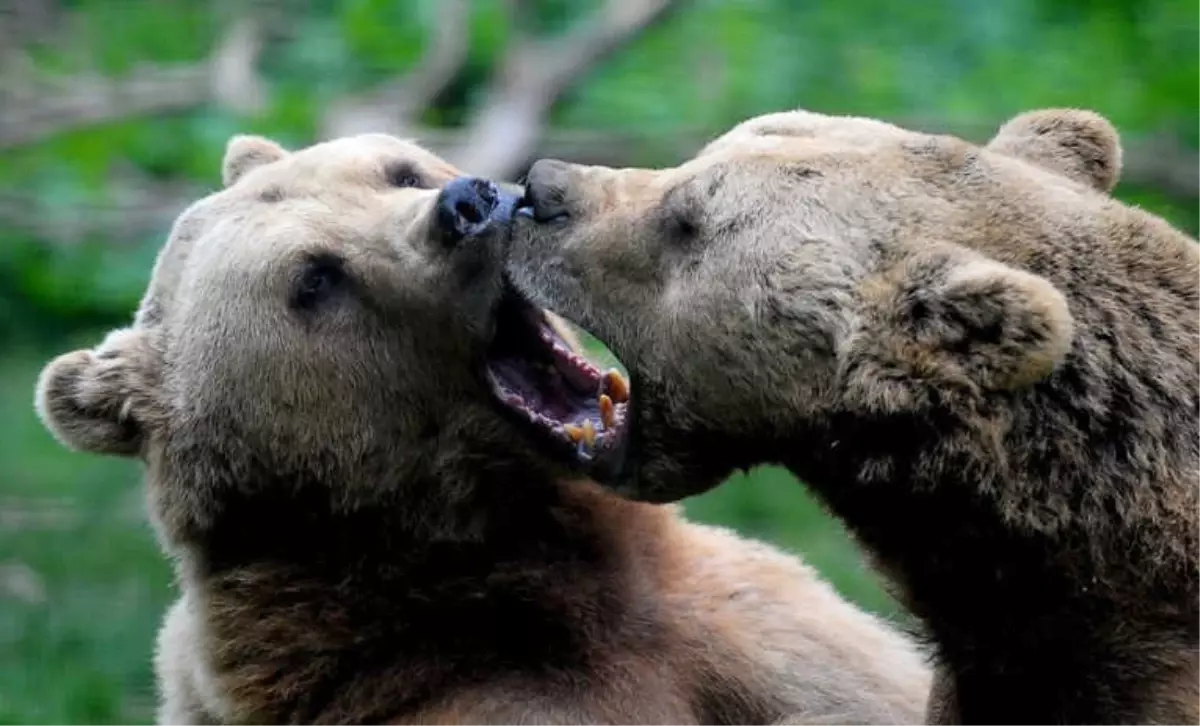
column 360, row 535
column 982, row 362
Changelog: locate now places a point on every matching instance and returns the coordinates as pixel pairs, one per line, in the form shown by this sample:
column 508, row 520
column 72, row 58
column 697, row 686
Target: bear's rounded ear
column 954, row 316
column 1079, row 144
column 100, row 400
column 1017, row 326
column 245, row 153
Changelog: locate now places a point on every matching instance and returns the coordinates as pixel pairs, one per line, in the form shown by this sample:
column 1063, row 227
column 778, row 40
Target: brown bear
column 352, row 433
column 976, row 357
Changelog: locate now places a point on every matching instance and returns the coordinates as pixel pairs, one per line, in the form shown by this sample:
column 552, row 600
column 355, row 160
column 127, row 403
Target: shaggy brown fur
column 982, row 362
column 360, row 535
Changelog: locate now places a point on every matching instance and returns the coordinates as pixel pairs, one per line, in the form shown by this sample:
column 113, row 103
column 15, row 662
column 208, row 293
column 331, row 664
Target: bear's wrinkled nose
column 546, row 191
column 465, row 207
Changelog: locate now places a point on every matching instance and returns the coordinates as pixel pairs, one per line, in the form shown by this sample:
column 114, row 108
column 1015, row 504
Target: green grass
column 83, row 586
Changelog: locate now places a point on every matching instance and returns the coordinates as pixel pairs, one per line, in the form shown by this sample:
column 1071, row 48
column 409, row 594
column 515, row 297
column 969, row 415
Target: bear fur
column 980, row 361
column 360, row 536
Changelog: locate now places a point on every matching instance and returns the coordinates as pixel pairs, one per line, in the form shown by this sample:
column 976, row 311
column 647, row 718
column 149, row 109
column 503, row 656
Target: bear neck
column 491, row 517
column 527, row 573
column 508, row 508
column 1034, row 614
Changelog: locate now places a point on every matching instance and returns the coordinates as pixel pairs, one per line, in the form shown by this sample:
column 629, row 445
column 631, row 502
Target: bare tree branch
column 235, row 83
column 21, row 583
column 24, row 20
column 31, row 112
column 91, row 100
column 394, row 107
column 501, row 137
column 533, row 74
column 135, row 207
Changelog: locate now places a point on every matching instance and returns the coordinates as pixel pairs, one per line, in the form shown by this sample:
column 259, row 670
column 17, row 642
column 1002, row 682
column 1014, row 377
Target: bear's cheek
column 620, row 261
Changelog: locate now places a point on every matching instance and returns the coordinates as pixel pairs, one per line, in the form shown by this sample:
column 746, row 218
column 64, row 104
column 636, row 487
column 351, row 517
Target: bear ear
column 953, row 316
column 245, row 153
column 99, row 400
column 1081, row 145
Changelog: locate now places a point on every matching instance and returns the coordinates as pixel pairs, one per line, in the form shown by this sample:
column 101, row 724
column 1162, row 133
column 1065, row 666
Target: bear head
column 327, row 335
column 805, row 267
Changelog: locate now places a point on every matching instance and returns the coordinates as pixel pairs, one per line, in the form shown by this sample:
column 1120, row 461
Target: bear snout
column 546, row 191
column 467, row 206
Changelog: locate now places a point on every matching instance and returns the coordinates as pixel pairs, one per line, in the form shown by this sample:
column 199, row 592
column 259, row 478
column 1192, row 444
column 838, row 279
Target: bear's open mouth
column 534, row 373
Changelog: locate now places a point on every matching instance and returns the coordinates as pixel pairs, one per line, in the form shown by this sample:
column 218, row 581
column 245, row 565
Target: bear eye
column 683, row 227
column 319, row 279
column 682, row 220
column 403, row 176
column 682, row 214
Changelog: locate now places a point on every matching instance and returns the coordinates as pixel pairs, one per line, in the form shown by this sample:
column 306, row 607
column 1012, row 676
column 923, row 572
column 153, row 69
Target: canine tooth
column 616, row 385
column 607, row 415
column 574, row 432
column 583, row 452
column 589, row 433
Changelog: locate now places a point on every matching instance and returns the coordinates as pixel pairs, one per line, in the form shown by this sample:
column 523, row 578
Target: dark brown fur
column 983, row 363
column 362, row 537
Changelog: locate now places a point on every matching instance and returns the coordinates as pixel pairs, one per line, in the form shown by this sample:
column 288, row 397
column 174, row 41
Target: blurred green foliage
column 75, row 644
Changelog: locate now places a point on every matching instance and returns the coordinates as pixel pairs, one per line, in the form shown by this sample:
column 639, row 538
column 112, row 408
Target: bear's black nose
column 465, row 207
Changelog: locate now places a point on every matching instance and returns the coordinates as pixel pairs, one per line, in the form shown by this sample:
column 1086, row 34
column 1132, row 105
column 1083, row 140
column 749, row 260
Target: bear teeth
column 584, row 437
column 614, row 384
column 608, row 416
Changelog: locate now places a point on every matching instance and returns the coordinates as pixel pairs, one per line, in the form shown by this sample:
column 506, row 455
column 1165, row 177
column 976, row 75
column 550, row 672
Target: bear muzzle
column 469, row 206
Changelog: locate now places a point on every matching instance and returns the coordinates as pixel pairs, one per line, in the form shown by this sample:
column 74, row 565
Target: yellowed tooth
column 575, row 433
column 607, row 416
column 616, row 385
column 589, row 433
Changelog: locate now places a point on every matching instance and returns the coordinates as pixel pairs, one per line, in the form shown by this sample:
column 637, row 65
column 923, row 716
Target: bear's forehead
column 212, row 248
column 753, row 153
column 850, row 150
column 367, row 151
column 791, row 132
column 345, row 167
column 334, row 195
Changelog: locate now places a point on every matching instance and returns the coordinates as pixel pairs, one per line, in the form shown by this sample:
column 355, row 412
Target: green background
column 82, row 584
